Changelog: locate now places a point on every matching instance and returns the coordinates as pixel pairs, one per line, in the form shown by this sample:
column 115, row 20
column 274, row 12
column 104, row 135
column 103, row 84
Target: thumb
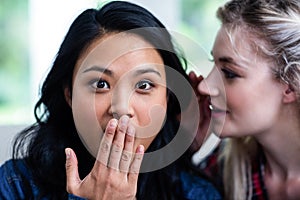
column 73, row 179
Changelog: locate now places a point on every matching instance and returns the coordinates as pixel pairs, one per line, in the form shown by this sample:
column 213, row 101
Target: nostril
column 116, row 115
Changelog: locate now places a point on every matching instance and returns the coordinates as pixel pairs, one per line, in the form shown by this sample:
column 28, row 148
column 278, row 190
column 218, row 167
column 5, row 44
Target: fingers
column 73, row 180
column 128, row 149
column 136, row 164
column 106, row 142
column 194, row 79
column 192, row 75
column 116, row 147
column 116, row 168
column 118, row 143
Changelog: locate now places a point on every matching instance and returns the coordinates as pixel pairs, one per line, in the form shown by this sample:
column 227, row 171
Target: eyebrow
column 231, row 61
column 110, row 73
column 99, row 69
column 226, row 59
column 147, row 70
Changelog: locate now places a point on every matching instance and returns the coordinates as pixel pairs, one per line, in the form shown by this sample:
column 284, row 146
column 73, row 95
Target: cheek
column 150, row 119
column 150, row 114
column 85, row 118
column 236, row 100
column 255, row 106
column 102, row 105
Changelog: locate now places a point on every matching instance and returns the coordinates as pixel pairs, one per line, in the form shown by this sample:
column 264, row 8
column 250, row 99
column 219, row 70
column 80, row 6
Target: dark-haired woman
column 105, row 101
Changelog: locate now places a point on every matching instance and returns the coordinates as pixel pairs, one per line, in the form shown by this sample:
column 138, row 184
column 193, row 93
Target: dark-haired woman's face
column 120, row 74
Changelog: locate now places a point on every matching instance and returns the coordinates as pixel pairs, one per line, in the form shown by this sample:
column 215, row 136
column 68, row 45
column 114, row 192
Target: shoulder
column 14, row 168
column 197, row 188
column 212, row 167
column 14, row 175
column 15, row 178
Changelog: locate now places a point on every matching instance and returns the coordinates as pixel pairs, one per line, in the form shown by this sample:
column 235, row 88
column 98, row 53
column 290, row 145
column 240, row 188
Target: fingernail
column 68, row 153
column 140, row 149
column 113, row 123
column 130, row 130
column 124, row 120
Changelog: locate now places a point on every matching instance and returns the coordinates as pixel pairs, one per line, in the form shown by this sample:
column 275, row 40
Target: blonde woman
column 254, row 98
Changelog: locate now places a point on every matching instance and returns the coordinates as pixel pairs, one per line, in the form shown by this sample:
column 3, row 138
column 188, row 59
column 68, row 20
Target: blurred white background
column 32, row 30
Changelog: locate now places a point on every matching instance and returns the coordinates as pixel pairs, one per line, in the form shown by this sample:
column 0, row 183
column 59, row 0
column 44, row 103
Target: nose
column 209, row 85
column 121, row 104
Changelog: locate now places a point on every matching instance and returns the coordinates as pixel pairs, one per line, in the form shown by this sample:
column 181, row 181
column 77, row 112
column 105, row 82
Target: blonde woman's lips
column 216, row 111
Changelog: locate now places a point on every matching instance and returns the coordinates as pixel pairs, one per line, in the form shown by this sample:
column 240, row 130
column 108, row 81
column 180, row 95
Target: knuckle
column 94, row 176
column 122, row 129
column 134, row 170
column 68, row 165
column 110, row 131
column 129, row 138
column 117, row 147
column 105, row 147
column 139, row 157
column 110, row 180
column 126, row 156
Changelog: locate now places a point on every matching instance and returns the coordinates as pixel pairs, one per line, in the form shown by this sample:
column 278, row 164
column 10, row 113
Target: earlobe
column 68, row 97
column 289, row 95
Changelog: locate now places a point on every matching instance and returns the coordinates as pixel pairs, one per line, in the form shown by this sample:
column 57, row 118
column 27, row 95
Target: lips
column 216, row 111
column 214, row 108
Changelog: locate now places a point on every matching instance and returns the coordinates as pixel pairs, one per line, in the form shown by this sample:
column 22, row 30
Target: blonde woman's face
column 121, row 74
column 245, row 97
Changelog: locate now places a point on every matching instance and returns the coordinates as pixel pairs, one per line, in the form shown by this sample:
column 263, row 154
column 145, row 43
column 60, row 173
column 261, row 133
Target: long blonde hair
column 276, row 24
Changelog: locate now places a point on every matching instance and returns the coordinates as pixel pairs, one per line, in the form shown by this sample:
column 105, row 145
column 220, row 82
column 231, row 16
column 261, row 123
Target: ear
column 68, row 97
column 289, row 94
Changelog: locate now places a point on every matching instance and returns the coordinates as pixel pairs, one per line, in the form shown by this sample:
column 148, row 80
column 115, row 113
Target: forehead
column 237, row 42
column 241, row 45
column 116, row 48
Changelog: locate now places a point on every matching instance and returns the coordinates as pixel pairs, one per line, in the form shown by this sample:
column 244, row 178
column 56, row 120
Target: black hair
column 42, row 144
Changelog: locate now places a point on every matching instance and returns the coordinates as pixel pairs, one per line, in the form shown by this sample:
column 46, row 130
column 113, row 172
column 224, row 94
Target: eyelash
column 148, row 85
column 229, row 74
column 142, row 83
column 95, row 84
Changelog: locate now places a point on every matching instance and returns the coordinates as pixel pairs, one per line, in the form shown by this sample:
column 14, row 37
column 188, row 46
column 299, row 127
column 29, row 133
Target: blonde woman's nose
column 208, row 87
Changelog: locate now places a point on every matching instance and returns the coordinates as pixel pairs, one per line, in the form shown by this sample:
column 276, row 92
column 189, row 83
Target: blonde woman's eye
column 144, row 85
column 229, row 74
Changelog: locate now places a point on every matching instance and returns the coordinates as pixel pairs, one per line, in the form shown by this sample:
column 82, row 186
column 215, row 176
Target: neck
column 281, row 149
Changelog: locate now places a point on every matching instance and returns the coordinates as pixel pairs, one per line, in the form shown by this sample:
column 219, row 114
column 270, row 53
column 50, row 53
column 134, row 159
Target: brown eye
column 144, row 85
column 100, row 84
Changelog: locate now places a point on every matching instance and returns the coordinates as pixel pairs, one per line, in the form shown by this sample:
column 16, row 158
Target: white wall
column 7, row 133
column 50, row 20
